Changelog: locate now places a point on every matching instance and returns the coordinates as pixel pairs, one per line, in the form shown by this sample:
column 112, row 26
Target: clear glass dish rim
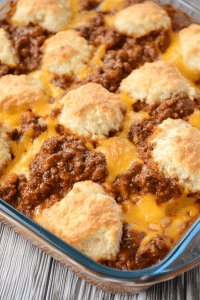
column 143, row 275
column 147, row 274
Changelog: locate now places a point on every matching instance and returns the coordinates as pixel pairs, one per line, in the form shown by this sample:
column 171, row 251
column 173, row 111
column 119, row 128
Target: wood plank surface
column 28, row 273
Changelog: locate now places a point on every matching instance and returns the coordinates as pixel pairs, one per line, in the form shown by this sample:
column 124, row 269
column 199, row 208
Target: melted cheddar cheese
column 120, row 155
column 169, row 218
column 173, row 55
column 141, row 212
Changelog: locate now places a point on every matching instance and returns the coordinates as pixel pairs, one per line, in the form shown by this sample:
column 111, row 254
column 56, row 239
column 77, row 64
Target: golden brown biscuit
column 92, row 111
column 88, row 219
column 155, row 82
column 190, row 46
column 140, row 19
column 7, row 54
column 5, row 154
column 177, row 152
column 20, row 91
column 52, row 15
column 66, row 53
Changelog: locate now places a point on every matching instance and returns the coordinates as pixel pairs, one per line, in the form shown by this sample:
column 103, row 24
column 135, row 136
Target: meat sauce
column 123, row 53
column 26, row 42
column 66, row 159
column 61, row 162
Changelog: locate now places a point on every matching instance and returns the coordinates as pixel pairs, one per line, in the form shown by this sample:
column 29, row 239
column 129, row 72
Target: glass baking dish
column 184, row 256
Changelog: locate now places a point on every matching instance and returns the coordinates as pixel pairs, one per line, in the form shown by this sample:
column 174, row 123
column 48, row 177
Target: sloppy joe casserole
column 100, row 120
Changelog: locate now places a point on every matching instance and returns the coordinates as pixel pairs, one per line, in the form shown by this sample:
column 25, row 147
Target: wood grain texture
column 26, row 272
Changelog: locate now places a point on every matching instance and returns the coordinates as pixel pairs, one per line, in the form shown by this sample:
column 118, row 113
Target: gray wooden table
column 28, row 273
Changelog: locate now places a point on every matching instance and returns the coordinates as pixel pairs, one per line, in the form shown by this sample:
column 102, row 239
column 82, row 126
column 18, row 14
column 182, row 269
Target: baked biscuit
column 52, row 15
column 7, row 54
column 140, row 19
column 155, row 82
column 88, row 219
column 5, row 154
column 92, row 111
column 66, row 53
column 190, row 46
column 20, row 91
column 177, row 152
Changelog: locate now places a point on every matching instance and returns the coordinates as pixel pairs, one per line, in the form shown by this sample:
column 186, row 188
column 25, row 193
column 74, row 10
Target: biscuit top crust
column 5, row 153
column 20, row 91
column 190, row 45
column 140, row 19
column 92, row 111
column 52, row 15
column 66, row 53
column 7, row 54
column 177, row 152
column 155, row 82
column 86, row 216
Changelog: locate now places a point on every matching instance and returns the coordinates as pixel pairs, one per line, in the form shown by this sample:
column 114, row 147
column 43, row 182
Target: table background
column 26, row 272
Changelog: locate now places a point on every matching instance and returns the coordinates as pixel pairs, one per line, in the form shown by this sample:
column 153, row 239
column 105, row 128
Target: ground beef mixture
column 152, row 253
column 61, row 162
column 64, row 160
column 131, row 2
column 89, row 4
column 28, row 120
column 118, row 64
column 175, row 15
column 4, row 69
column 27, row 42
column 132, row 256
column 179, row 107
column 146, row 179
column 126, row 258
column 63, row 81
column 97, row 33
column 55, row 112
column 123, row 53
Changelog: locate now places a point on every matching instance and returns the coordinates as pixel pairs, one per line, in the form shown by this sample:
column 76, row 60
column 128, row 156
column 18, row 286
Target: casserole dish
column 178, row 260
